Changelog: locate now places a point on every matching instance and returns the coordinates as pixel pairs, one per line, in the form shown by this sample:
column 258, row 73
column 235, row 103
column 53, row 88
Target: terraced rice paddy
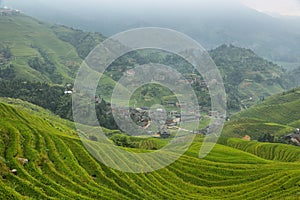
column 59, row 167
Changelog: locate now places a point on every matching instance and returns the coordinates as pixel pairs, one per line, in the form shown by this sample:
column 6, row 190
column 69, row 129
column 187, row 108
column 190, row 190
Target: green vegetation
column 52, row 97
column 35, row 51
column 277, row 115
column 293, row 76
column 84, row 42
column 37, row 60
column 59, row 167
column 247, row 77
column 270, row 151
column 137, row 142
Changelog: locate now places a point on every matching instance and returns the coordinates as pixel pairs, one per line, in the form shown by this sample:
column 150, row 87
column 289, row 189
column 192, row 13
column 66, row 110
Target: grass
column 23, row 35
column 278, row 115
column 60, row 167
column 270, row 151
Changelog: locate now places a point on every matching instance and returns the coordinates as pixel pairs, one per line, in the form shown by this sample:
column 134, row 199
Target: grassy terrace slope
column 277, row 115
column 271, row 151
column 35, row 48
column 60, row 168
column 43, row 52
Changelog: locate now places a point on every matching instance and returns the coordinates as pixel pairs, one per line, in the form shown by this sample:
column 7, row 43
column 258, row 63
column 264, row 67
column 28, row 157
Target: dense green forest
column 53, row 98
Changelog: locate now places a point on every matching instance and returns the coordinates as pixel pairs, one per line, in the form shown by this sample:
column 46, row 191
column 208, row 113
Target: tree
column 121, row 140
column 266, row 137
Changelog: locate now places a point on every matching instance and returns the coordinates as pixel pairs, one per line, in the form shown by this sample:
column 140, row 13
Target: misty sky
column 282, row 7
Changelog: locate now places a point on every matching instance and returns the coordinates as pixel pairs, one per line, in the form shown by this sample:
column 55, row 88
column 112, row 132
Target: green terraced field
column 277, row 115
column 59, row 167
column 271, row 151
column 24, row 36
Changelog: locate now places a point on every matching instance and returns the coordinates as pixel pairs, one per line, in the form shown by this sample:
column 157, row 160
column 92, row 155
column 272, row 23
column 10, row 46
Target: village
column 167, row 117
column 294, row 138
column 6, row 11
column 165, row 120
column 171, row 108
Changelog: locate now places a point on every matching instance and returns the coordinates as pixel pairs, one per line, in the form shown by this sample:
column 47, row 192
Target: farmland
column 60, row 167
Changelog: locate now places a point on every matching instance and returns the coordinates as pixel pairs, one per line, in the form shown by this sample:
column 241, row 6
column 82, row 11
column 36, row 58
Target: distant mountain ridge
column 35, row 51
column 212, row 24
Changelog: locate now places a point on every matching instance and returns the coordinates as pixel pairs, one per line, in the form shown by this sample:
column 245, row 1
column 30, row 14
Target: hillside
column 59, row 167
column 247, row 76
column 279, row 152
column 277, row 115
column 32, row 50
column 54, row 99
column 276, row 38
column 37, row 51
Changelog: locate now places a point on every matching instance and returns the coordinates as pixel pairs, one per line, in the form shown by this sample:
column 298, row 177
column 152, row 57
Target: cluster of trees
column 5, row 52
column 40, row 94
column 45, row 66
column 293, row 77
column 8, row 72
column 84, row 42
column 266, row 137
column 147, row 56
column 123, row 140
column 52, row 97
column 142, row 57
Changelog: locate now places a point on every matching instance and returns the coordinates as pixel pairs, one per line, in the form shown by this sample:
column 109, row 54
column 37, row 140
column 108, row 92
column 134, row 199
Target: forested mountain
column 212, row 23
column 34, row 51
column 247, row 77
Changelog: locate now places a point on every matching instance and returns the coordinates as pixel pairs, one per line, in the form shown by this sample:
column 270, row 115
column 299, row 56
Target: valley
column 43, row 157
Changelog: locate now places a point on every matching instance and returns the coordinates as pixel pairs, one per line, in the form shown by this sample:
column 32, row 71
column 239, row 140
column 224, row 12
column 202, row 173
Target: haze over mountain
column 212, row 23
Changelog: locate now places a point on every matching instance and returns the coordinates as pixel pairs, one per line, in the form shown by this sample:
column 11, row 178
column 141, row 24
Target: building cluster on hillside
column 145, row 116
column 6, row 11
column 294, row 138
column 187, row 80
column 69, row 89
